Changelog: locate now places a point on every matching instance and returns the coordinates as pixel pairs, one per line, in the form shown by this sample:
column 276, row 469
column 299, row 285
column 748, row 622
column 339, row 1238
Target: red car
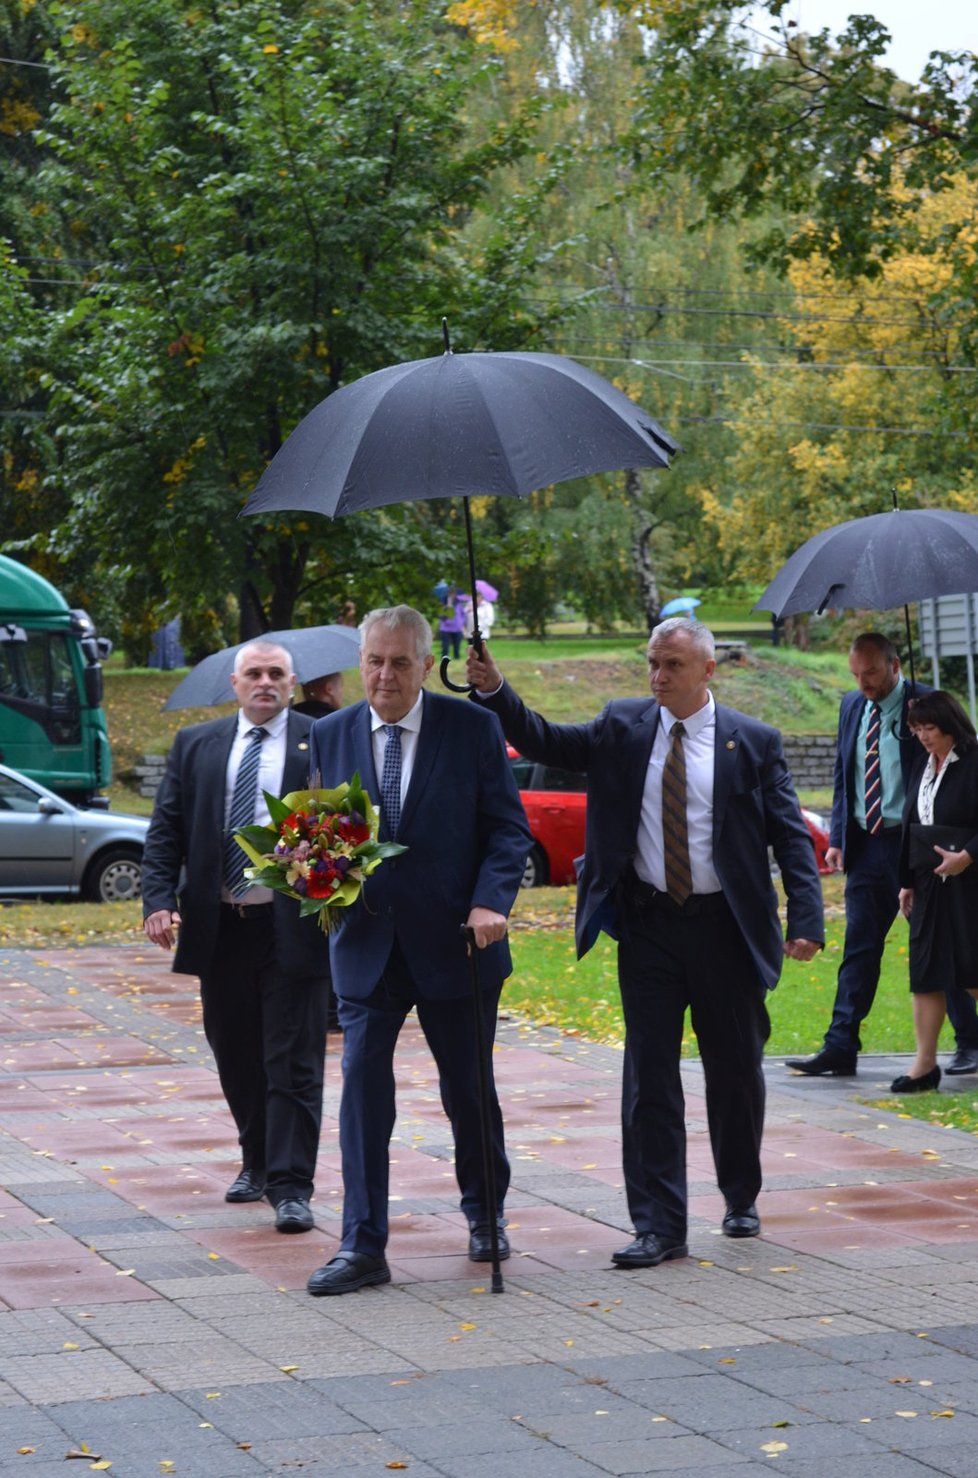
column 554, row 802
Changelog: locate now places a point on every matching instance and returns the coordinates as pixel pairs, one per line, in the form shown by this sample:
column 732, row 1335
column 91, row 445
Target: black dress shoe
column 480, row 1243
column 294, row 1216
column 648, row 1250
column 741, row 1221
column 348, row 1271
column 249, row 1186
column 965, row 1060
column 824, row 1064
column 906, row 1084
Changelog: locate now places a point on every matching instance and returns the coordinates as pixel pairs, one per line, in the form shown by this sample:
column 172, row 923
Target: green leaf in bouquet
column 278, row 810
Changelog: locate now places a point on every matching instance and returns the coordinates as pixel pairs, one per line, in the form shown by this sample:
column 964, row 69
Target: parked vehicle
column 50, row 847
column 52, row 725
column 554, row 802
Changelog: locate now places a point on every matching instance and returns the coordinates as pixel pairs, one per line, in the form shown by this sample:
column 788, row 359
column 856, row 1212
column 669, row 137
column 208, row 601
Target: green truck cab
column 52, row 724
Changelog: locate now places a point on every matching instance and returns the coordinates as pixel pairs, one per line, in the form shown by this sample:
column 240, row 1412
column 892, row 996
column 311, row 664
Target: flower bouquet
column 319, row 847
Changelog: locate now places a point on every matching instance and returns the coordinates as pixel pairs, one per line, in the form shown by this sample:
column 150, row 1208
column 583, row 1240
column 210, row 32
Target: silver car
column 49, row 846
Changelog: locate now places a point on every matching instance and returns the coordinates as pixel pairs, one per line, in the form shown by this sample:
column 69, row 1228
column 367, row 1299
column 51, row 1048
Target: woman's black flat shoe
column 907, row 1084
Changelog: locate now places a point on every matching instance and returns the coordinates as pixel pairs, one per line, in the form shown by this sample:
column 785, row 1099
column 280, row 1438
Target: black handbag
column 923, row 840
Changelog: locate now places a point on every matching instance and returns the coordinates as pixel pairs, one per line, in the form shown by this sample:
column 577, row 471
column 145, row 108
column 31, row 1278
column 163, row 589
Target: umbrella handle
column 452, row 687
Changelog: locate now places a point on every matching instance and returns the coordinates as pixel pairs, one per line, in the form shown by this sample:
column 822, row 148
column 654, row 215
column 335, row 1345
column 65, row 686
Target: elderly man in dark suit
column 873, row 759
column 447, row 793
column 264, row 973
column 684, row 797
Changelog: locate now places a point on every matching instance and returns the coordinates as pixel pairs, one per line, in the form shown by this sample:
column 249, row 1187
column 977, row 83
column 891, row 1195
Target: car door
column 37, row 846
column 560, row 804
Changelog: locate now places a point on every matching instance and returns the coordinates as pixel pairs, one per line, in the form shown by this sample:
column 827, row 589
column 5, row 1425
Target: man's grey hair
column 400, row 618
column 264, row 647
column 701, row 636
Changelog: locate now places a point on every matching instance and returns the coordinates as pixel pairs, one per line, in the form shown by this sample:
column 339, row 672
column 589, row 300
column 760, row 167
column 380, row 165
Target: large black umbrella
column 315, row 652
column 458, row 425
column 878, row 563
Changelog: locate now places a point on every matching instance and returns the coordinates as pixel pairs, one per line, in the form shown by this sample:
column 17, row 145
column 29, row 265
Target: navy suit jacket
column 754, row 807
column 844, row 778
column 465, row 830
column 187, row 831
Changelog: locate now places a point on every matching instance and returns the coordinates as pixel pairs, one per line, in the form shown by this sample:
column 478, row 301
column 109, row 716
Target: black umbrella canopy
column 878, row 563
column 315, row 652
column 458, row 425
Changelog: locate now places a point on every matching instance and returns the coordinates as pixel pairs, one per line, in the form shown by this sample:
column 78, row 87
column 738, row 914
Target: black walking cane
column 485, row 1114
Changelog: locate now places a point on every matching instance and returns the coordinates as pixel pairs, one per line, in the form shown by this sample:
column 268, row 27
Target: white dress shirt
column 698, row 747
column 270, row 774
column 410, row 727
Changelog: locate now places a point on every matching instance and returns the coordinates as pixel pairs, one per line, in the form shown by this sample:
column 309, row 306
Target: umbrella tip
column 445, row 336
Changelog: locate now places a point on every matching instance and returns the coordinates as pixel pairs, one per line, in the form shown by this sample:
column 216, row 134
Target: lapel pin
column 303, row 744
column 731, row 744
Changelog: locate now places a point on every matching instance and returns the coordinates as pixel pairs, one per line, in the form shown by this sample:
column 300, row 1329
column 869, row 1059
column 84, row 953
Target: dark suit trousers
column 268, row 1035
column 670, row 959
column 872, row 891
column 367, row 1107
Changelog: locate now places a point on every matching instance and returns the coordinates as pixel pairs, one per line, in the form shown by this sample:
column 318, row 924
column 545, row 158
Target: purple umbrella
column 487, row 591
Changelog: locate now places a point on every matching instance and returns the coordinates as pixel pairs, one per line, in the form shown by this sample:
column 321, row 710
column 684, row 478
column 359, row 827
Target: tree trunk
column 644, row 566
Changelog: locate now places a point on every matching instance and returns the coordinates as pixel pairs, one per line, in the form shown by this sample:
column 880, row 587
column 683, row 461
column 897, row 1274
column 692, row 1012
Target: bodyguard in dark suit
column 865, row 844
column 447, row 793
column 264, row 973
column 679, row 873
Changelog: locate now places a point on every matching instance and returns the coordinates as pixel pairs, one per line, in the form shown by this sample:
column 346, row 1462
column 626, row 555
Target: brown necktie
column 675, row 832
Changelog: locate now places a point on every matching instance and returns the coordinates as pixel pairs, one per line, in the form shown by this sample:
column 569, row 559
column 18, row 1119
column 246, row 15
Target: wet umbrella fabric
column 458, row 425
column 315, row 651
column 878, row 563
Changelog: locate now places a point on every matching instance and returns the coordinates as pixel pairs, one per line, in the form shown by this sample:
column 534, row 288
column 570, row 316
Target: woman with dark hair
column 939, row 885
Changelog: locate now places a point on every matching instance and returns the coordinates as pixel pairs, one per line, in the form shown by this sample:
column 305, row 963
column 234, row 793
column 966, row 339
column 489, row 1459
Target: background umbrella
column 679, row 606
column 879, row 562
column 315, row 651
column 454, row 426
column 487, row 591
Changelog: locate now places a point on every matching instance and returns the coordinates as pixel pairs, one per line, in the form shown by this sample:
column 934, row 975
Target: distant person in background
column 348, row 613
column 321, row 695
column 486, row 613
column 452, row 623
column 939, row 892
column 873, row 759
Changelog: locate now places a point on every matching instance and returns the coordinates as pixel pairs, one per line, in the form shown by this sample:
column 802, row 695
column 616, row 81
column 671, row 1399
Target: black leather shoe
column 294, row 1216
column 648, row 1250
column 348, row 1271
column 480, row 1243
column 249, row 1186
column 741, row 1221
column 965, row 1060
column 824, row 1064
column 906, row 1084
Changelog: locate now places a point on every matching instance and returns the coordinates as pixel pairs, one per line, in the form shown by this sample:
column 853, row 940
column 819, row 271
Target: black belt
column 249, row 913
column 646, row 896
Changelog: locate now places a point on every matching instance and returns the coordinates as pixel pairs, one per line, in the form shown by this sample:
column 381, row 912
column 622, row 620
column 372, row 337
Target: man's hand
column 801, row 949
column 482, row 672
column 159, row 927
column 487, row 926
column 833, row 858
column 951, row 863
column 906, row 902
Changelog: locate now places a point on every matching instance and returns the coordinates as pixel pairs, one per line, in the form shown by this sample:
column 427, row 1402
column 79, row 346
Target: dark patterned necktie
column 243, row 803
column 390, row 781
column 874, row 791
column 675, row 829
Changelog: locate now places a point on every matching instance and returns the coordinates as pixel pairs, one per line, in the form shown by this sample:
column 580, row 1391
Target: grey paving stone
column 821, row 1440
column 539, row 1462
column 88, row 1375
column 712, row 1403
column 275, row 1409
column 680, row 1454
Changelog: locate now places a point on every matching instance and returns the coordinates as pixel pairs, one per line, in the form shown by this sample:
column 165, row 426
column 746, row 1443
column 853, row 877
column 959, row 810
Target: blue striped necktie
column 243, row 803
column 390, row 781
column 874, row 790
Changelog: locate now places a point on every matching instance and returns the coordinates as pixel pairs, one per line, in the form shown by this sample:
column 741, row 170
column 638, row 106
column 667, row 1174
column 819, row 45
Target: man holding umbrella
column 684, row 797
column 874, row 756
column 446, row 791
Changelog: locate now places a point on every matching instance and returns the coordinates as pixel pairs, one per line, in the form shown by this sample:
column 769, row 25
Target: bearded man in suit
column 684, row 798
column 264, row 972
column 448, row 795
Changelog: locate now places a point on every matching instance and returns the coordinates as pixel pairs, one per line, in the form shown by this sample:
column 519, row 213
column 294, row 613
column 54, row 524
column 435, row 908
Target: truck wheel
column 535, row 871
column 116, row 876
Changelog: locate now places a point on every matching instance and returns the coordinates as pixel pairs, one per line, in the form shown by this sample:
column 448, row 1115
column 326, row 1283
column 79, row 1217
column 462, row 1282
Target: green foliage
column 265, row 201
